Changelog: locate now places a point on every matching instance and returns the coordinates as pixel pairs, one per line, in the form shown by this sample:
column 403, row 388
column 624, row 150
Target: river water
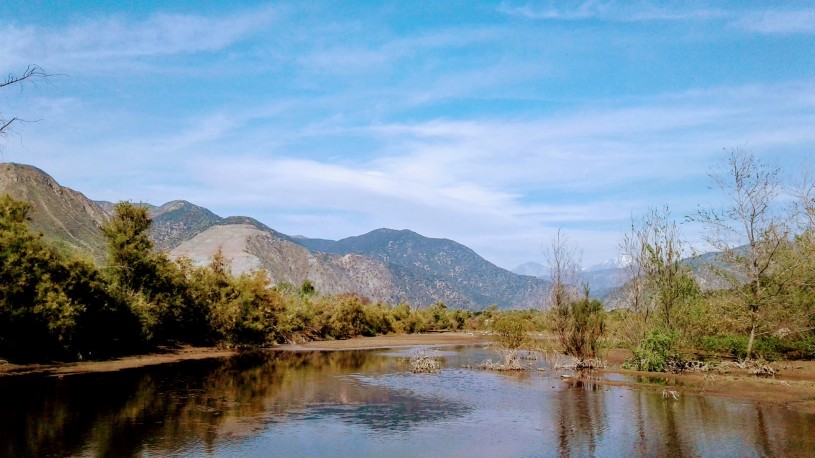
column 368, row 403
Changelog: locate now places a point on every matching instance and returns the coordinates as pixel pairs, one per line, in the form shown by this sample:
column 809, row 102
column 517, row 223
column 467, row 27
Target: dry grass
column 425, row 362
column 512, row 361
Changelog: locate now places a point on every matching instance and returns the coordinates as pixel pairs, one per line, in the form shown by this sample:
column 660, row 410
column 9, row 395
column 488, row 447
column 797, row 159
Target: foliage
column 51, row 306
column 656, row 351
column 767, row 347
column 510, row 332
column 751, row 221
column 582, row 325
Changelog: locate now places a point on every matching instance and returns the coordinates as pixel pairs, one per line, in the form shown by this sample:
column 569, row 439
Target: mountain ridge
column 383, row 264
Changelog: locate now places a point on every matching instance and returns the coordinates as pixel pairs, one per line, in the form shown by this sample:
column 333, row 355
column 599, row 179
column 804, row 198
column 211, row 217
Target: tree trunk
column 751, row 341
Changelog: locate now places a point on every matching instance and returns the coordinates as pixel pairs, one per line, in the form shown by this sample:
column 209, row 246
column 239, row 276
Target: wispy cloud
column 764, row 21
column 779, row 22
column 606, row 11
column 98, row 40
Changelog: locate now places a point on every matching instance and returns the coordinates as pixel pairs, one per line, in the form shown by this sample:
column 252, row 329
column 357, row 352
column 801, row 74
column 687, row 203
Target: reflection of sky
column 366, row 404
column 465, row 412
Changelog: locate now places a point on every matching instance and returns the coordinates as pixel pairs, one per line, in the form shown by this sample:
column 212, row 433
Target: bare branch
column 30, row 73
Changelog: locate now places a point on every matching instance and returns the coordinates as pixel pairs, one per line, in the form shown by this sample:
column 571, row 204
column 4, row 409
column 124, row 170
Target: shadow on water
column 367, row 403
column 166, row 408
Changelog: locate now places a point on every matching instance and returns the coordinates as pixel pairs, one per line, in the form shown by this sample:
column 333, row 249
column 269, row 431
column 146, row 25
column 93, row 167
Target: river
column 368, row 403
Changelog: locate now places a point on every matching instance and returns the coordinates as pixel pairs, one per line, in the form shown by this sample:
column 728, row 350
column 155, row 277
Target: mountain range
column 385, row 264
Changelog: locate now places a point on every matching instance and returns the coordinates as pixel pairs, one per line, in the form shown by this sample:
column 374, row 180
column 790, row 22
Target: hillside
column 388, row 265
column 419, row 262
column 65, row 217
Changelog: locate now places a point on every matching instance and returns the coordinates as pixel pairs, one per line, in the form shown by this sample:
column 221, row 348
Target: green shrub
column 656, row 351
column 510, row 332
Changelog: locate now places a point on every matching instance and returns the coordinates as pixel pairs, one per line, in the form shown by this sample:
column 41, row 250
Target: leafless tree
column 658, row 283
column 747, row 231
column 32, row 72
column 563, row 259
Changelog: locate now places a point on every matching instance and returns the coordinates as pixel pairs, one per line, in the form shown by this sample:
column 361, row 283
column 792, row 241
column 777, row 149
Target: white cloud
column 779, row 22
column 94, row 42
column 607, row 11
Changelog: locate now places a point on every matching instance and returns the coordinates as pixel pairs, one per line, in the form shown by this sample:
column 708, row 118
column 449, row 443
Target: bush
column 768, row 347
column 656, row 352
column 510, row 332
column 579, row 325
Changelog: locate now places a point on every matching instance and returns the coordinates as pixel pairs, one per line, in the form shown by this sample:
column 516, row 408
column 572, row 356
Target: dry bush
column 423, row 362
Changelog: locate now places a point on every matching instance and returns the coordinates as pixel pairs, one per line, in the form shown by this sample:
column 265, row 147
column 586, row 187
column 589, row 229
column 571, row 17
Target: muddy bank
column 172, row 355
column 792, row 387
column 394, row 340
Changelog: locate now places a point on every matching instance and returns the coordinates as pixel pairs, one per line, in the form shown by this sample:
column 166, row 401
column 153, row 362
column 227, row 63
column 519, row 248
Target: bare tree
column 803, row 204
column 32, row 72
column 563, row 258
column 747, row 230
column 657, row 283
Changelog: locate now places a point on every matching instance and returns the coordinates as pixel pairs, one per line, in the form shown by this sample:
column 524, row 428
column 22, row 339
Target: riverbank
column 167, row 355
column 792, row 387
column 184, row 353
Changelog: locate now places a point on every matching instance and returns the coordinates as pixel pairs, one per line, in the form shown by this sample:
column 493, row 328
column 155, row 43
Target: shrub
column 580, row 325
column 656, row 351
column 510, row 332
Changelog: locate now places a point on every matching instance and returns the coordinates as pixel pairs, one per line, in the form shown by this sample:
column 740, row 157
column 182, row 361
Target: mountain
column 64, row 217
column 178, row 221
column 250, row 248
column 532, row 268
column 619, row 262
column 440, row 269
column 389, row 265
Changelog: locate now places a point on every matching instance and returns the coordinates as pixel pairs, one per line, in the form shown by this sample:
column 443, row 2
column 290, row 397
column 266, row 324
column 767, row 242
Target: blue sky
column 489, row 123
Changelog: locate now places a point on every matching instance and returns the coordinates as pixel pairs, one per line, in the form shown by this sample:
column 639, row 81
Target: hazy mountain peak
column 617, row 262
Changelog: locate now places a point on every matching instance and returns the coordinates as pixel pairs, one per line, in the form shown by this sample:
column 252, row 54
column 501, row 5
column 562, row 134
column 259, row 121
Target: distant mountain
column 65, row 217
column 250, row 248
column 178, row 221
column 385, row 264
column 619, row 262
column 417, row 260
column 532, row 268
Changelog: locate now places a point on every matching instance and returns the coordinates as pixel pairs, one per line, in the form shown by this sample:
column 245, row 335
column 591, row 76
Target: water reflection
column 167, row 408
column 366, row 403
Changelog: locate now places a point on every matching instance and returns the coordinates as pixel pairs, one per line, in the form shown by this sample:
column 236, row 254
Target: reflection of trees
column 582, row 418
column 168, row 408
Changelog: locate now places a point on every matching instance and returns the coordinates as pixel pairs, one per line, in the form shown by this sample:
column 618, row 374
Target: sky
column 491, row 123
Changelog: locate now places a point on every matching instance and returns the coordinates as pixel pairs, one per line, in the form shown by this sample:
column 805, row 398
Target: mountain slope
column 393, row 266
column 469, row 279
column 250, row 248
column 64, row 216
column 178, row 221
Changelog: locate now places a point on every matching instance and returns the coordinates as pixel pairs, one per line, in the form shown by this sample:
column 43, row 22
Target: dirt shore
column 394, row 340
column 166, row 356
column 793, row 386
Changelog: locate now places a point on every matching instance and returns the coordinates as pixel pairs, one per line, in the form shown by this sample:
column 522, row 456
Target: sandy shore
column 168, row 356
column 390, row 341
column 793, row 386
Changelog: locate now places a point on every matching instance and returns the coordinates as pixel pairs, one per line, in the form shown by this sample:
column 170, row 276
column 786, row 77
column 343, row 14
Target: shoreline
column 793, row 387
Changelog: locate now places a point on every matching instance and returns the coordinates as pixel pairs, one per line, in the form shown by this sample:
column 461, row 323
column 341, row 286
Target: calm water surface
column 367, row 403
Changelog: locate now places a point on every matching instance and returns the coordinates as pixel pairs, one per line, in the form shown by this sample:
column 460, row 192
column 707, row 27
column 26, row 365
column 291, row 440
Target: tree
column 579, row 321
column 659, row 284
column 31, row 72
column 747, row 231
column 51, row 306
column 563, row 259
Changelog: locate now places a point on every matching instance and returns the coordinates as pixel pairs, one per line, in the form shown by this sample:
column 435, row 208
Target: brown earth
column 393, row 340
column 166, row 356
column 793, row 386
